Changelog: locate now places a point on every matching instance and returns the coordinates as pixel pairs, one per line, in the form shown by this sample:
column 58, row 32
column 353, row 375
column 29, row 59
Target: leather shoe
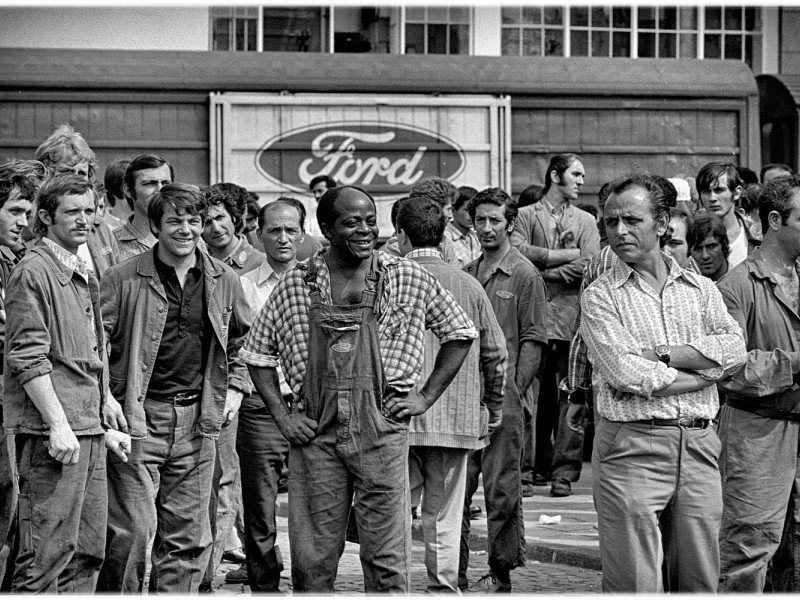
column 474, row 512
column 527, row 490
column 490, row 584
column 539, row 480
column 237, row 576
column 561, row 488
column 234, row 556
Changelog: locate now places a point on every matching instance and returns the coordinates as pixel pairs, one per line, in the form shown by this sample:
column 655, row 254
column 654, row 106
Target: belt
column 749, row 405
column 179, row 399
column 684, row 423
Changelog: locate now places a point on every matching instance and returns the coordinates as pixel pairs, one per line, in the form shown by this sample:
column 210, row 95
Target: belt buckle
column 182, row 396
column 686, row 423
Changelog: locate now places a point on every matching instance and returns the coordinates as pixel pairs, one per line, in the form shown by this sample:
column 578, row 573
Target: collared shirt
column 412, row 300
column 580, row 370
column 454, row 421
column 771, row 329
column 244, row 257
column 183, row 351
column 466, row 245
column 130, row 241
column 77, row 264
column 258, row 286
column 622, row 314
column 516, row 291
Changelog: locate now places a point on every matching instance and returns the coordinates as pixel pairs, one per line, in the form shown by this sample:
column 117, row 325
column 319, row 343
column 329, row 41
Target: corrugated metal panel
column 177, row 131
column 298, row 72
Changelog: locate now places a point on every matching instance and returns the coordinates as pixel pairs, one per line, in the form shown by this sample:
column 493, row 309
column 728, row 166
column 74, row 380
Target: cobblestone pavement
column 540, row 577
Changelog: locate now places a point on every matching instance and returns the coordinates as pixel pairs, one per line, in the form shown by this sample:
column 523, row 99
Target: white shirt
column 258, row 285
column 738, row 248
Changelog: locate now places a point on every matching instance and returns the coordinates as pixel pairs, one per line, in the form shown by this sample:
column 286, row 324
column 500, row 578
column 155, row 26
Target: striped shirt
column 622, row 314
column 412, row 300
column 454, row 421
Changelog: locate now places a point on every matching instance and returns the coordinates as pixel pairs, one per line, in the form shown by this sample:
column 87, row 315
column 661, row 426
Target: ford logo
column 386, row 158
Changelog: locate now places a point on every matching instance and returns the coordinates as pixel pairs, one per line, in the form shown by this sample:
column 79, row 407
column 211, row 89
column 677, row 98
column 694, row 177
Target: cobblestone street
column 534, row 577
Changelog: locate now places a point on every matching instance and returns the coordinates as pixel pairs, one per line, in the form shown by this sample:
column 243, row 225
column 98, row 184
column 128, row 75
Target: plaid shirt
column 412, row 300
column 580, row 369
column 622, row 314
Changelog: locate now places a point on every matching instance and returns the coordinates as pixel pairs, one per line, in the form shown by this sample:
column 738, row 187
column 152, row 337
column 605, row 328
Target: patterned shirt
column 77, row 264
column 466, row 245
column 412, row 300
column 622, row 314
column 580, row 370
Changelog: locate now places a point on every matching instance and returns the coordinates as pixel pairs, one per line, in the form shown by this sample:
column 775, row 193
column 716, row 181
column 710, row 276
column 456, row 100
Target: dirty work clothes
column 62, row 517
column 658, row 496
column 357, row 456
column 262, row 450
column 167, row 480
column 500, row 464
column 761, row 505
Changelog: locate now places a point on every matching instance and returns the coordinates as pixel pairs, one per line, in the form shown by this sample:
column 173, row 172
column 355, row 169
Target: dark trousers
column 62, row 516
column 559, row 450
column 163, row 491
column 226, row 495
column 262, row 451
column 500, row 464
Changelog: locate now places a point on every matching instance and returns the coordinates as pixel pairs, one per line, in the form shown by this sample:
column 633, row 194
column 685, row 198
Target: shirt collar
column 432, row 252
column 165, row 269
column 238, row 256
column 622, row 272
column 68, row 259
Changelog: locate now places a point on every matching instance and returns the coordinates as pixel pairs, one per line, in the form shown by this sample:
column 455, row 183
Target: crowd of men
column 174, row 355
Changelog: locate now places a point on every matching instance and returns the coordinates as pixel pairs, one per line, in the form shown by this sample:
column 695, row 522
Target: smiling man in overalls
column 347, row 326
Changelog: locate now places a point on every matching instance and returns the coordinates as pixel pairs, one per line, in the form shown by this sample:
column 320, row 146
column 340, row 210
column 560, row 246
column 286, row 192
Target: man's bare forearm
column 265, row 380
column 449, row 359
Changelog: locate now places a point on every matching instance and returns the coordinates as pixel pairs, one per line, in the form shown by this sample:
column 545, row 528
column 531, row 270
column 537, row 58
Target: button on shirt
column 258, row 286
column 622, row 314
column 183, row 350
column 412, row 300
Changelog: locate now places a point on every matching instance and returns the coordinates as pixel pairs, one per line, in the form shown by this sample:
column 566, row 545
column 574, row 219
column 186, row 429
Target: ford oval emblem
column 383, row 157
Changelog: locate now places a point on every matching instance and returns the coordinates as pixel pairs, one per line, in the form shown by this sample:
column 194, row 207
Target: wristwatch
column 662, row 353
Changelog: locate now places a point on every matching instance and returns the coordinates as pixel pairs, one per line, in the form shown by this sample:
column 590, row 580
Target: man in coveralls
column 347, row 326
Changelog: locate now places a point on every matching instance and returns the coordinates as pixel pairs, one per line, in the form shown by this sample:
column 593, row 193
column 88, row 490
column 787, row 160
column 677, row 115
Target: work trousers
column 226, row 496
column 262, row 451
column 559, row 449
column 500, row 464
column 659, row 502
column 760, row 503
column 163, row 491
column 62, row 517
column 440, row 476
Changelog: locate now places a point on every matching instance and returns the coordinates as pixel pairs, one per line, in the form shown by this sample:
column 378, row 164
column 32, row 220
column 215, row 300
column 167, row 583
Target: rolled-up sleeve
column 614, row 352
column 445, row 317
column 763, row 372
column 260, row 348
column 27, row 327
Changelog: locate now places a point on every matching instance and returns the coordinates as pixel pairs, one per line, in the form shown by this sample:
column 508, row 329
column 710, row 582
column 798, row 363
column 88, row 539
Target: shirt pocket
column 397, row 320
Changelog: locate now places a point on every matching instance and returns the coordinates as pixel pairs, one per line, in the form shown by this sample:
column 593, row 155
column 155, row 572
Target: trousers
column 161, row 495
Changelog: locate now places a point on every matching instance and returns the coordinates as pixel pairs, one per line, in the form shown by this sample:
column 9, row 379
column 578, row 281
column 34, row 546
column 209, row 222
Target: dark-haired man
column 467, row 413
column 658, row 338
column 774, row 170
column 517, row 294
column 117, row 209
column 547, row 233
column 321, row 184
column 346, row 326
column 710, row 249
column 759, row 424
column 145, row 175
column 56, row 399
column 175, row 319
column 720, row 189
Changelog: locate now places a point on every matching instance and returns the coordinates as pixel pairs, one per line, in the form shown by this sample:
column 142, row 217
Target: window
column 533, row 31
column 437, row 30
column 234, row 28
column 728, row 32
column 295, row 29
